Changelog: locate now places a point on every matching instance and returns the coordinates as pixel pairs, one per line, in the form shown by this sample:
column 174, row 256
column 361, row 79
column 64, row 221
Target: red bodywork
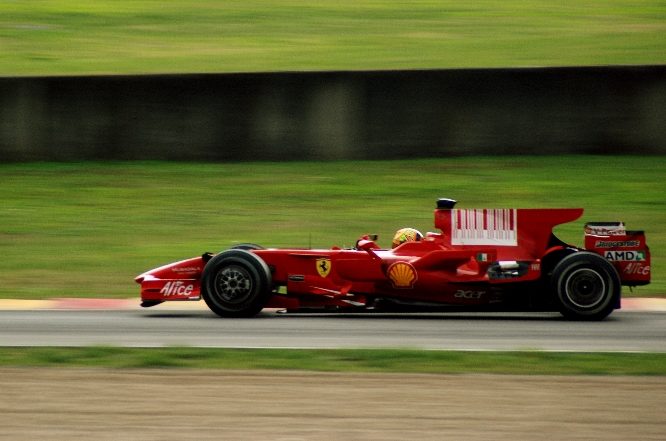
column 479, row 258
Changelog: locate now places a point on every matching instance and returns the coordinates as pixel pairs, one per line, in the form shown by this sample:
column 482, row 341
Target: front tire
column 247, row 247
column 236, row 283
column 585, row 286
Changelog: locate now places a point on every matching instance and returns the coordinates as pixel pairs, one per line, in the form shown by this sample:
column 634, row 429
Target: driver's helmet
column 406, row 235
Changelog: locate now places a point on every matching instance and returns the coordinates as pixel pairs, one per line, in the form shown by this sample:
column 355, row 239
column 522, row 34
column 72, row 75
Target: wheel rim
column 233, row 284
column 585, row 288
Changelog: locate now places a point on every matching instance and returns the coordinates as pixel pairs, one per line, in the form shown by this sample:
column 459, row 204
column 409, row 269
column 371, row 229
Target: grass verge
column 149, row 36
column 87, row 229
column 343, row 360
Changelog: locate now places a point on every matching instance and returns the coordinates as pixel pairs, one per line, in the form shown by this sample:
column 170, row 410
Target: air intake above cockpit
column 446, row 204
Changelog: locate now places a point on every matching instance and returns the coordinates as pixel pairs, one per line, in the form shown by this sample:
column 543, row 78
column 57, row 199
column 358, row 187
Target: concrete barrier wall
column 335, row 115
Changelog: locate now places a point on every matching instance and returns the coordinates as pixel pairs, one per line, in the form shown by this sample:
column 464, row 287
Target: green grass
column 343, row 360
column 87, row 229
column 128, row 36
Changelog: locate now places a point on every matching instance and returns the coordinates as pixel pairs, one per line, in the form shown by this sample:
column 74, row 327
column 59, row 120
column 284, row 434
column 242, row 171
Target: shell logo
column 402, row 275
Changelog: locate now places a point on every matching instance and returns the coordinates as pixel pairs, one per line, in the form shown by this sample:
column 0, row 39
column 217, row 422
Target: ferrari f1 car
column 480, row 260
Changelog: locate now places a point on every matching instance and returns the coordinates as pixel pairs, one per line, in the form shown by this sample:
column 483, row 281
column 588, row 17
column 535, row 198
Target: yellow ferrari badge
column 323, row 267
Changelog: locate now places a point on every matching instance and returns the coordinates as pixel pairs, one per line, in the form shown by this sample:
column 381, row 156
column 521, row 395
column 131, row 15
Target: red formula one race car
column 481, row 260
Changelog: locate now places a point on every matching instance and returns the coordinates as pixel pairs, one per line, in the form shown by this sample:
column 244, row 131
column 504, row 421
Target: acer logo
column 462, row 294
column 177, row 288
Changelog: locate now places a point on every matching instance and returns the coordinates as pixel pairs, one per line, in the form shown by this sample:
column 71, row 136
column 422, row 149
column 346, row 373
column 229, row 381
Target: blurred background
column 134, row 133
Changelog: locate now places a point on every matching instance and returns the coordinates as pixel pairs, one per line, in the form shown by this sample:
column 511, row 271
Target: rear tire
column 585, row 286
column 236, row 283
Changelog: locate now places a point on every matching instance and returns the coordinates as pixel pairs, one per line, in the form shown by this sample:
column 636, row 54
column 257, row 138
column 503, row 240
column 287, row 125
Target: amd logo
column 625, row 256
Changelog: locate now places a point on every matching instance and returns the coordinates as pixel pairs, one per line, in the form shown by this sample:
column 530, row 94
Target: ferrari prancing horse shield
column 323, row 266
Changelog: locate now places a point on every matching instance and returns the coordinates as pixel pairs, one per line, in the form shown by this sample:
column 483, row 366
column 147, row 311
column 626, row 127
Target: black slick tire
column 247, row 246
column 236, row 283
column 585, row 286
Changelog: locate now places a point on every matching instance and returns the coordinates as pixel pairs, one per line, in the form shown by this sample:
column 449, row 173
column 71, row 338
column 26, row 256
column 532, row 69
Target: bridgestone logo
column 617, row 244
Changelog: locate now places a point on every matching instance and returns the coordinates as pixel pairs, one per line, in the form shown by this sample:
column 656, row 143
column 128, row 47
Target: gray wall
column 335, row 115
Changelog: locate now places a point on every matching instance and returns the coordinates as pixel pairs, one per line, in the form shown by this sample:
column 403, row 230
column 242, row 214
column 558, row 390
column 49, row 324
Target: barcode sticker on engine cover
column 484, row 227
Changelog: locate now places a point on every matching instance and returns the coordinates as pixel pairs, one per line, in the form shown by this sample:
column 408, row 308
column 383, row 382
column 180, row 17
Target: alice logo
column 402, row 275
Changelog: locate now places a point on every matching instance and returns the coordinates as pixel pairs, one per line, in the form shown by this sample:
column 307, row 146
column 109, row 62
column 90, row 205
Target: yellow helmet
column 406, row 235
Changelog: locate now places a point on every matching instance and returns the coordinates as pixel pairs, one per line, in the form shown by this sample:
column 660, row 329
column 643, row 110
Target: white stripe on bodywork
column 484, row 227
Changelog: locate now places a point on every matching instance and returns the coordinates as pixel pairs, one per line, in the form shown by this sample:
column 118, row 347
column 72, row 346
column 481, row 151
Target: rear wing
column 626, row 250
column 517, row 233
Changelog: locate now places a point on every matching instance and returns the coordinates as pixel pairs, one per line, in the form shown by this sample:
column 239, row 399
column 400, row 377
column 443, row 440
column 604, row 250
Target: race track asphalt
column 181, row 404
column 630, row 329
